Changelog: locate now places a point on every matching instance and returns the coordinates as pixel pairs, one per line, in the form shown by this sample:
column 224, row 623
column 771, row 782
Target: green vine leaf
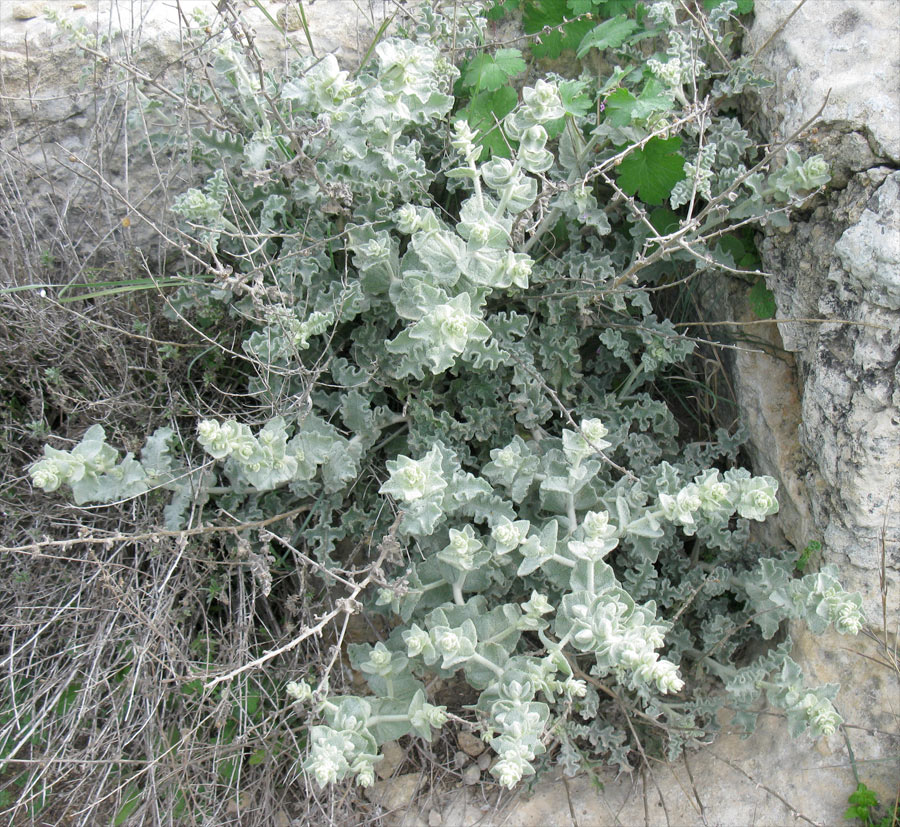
column 762, row 300
column 489, row 73
column 652, row 172
column 484, row 112
column 608, row 35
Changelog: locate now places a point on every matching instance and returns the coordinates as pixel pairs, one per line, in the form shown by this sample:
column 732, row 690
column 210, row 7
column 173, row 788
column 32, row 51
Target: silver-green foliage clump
column 475, row 334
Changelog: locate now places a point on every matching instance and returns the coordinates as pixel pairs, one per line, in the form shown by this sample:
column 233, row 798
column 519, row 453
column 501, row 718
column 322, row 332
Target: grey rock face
column 846, row 50
column 842, row 265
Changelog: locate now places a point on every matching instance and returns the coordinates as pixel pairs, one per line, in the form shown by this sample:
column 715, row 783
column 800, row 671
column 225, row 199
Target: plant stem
column 457, row 589
column 483, row 661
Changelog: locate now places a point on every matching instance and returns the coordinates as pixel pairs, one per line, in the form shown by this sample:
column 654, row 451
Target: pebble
column 394, row 756
column 471, row 775
column 470, row 744
column 289, row 18
column 27, row 11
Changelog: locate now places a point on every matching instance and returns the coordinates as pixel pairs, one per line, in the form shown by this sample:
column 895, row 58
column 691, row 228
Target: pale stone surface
column 842, row 264
column 850, row 47
column 396, row 794
column 394, row 756
column 26, row 11
column 768, row 779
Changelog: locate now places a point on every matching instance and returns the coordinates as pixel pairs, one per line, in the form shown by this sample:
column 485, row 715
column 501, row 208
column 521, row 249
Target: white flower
column 596, row 525
column 518, row 269
column 849, row 619
column 578, row 446
column 821, row 715
column 757, row 499
column 462, row 548
column 380, row 659
column 407, row 219
column 416, row 641
column 414, row 479
column 542, row 102
column 447, row 641
column 715, row 495
column 366, row 776
column 574, row 687
column 680, row 508
column 665, row 675
column 326, row 763
column 208, row 429
column 435, row 715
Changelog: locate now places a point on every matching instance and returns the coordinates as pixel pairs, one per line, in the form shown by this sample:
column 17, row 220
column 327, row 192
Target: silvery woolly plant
column 473, row 330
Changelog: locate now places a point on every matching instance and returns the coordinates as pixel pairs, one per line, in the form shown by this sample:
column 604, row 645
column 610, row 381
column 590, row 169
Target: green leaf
column 608, row 35
column 510, row 62
column 574, row 99
column 863, row 797
column 652, row 172
column 132, row 800
column 484, row 112
column 501, row 9
column 619, row 107
column 762, row 300
column 539, row 14
column 487, row 73
column 664, row 220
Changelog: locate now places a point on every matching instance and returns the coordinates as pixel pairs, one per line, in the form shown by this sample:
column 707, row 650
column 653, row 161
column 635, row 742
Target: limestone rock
column 850, row 47
column 63, row 138
column 394, row 756
column 396, row 793
column 870, row 250
column 842, row 264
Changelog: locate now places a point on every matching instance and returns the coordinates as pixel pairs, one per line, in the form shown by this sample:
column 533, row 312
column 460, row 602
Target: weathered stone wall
column 841, row 262
column 76, row 187
column 821, row 399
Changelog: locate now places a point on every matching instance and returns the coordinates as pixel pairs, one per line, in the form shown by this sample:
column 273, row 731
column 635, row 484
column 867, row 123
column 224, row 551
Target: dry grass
column 106, row 645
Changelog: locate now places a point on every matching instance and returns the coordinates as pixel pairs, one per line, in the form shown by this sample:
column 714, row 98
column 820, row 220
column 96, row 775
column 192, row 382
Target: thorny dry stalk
column 346, row 605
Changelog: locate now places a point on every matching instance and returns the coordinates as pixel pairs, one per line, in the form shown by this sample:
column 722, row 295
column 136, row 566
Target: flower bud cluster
column 412, row 480
column 265, row 461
